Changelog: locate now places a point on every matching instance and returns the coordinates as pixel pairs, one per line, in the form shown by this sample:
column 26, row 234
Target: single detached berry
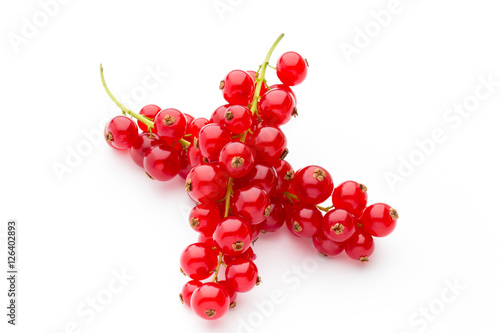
column 291, row 68
column 206, row 183
column 242, row 274
column 350, row 196
column 150, row 111
column 121, row 132
column 338, row 225
column 198, row 261
column 360, row 246
column 313, row 184
column 237, row 87
column 210, row 301
column 170, row 124
column 162, row 162
column 187, row 291
column 233, row 236
column 379, row 220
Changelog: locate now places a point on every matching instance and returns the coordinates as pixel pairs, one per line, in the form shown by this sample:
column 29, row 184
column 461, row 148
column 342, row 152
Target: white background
column 358, row 119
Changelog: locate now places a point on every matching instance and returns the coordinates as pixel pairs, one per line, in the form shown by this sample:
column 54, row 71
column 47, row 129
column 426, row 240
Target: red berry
column 230, row 290
column 326, row 246
column 313, row 184
column 206, row 183
column 242, row 274
column 162, row 163
column 251, row 203
column 276, row 218
column 304, row 220
column 237, row 87
column 248, row 254
column 276, row 107
column 269, row 144
column 262, row 175
column 198, row 261
column 360, row 246
column 210, row 301
column 285, row 88
column 212, row 139
column 185, row 167
column 150, row 111
column 194, row 156
column 207, row 240
column 194, row 128
column 256, row 229
column 237, row 159
column 350, row 196
column 291, row 68
column 170, row 124
column 285, row 176
column 121, row 132
column 338, row 225
column 238, row 119
column 187, row 291
column 218, row 114
column 233, row 236
column 204, row 218
column 379, row 219
column 143, row 143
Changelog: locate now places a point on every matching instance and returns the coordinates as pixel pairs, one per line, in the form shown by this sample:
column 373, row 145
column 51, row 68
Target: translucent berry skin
column 203, row 218
column 326, row 246
column 233, row 236
column 142, row 145
column 211, row 139
column 162, row 163
column 206, row 183
column 219, row 113
column 248, row 254
column 269, row 144
column 194, row 156
column 230, row 290
column 291, row 68
column 238, row 119
column 170, row 124
column 313, row 184
column 262, row 175
column 285, row 88
column 187, row 291
column 276, row 107
column 338, row 225
column 238, row 87
column 242, row 274
column 285, row 176
column 276, row 218
column 207, row 240
column 194, row 128
column 121, row 132
column 210, row 301
column 198, row 261
column 149, row 111
column 304, row 220
column 185, row 167
column 256, row 229
column 236, row 159
column 379, row 220
column 350, row 196
column 250, row 202
column 360, row 246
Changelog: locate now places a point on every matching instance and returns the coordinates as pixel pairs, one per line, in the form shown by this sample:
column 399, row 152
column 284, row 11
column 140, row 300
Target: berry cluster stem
column 216, row 272
column 229, row 191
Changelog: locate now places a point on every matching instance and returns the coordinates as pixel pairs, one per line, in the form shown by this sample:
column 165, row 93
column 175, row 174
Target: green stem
column 291, row 196
column 262, row 75
column 229, row 191
column 216, row 272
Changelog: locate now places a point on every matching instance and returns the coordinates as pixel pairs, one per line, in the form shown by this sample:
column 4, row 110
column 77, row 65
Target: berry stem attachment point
column 325, row 209
column 291, row 196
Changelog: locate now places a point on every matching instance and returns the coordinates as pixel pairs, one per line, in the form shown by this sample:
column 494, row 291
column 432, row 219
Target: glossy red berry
column 326, row 246
column 218, row 115
column 313, row 184
column 187, row 291
column 236, row 159
column 256, row 229
column 198, row 261
column 211, row 139
column 304, row 220
column 193, row 129
column 242, row 274
column 230, row 290
column 350, row 196
column 194, row 156
column 338, row 225
column 170, row 124
column 248, row 254
column 262, row 175
column 360, row 246
column 206, row 183
column 121, row 132
column 379, row 219
column 150, row 111
column 143, row 143
column 233, row 236
column 237, row 87
column 251, row 203
column 269, row 144
column 210, row 301
column 204, row 218
column 207, row 240
column 285, row 176
column 285, row 88
column 162, row 162
column 276, row 218
column 276, row 107
column 291, row 68
column 185, row 167
column 238, row 119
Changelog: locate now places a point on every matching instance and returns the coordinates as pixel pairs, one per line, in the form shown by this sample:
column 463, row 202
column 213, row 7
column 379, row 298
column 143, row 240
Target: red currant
column 185, row 167
column 338, row 225
column 170, row 124
column 379, row 219
column 187, row 291
column 242, row 274
column 238, row 119
column 248, row 254
column 194, row 156
column 210, row 301
column 121, row 132
column 276, row 218
column 194, row 128
column 232, row 293
column 150, row 111
column 162, row 163
column 237, row 159
column 276, row 107
column 285, row 88
column 326, row 246
column 206, row 183
column 219, row 114
column 198, row 261
column 350, row 196
column 360, row 246
column 251, row 203
column 262, row 175
column 304, row 220
column 237, row 87
column 291, row 68
column 204, row 218
column 313, row 184
column 269, row 144
column 285, row 176
column 143, row 143
column 233, row 236
column 212, row 139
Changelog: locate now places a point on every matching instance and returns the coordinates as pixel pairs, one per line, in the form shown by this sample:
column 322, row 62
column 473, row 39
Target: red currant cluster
column 236, row 173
